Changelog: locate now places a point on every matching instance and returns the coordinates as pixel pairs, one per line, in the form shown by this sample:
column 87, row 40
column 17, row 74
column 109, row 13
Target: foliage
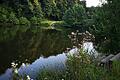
column 75, row 15
column 3, row 14
column 49, row 9
column 8, row 16
column 35, row 20
column 106, row 27
column 24, row 21
column 12, row 19
column 3, row 18
column 81, row 67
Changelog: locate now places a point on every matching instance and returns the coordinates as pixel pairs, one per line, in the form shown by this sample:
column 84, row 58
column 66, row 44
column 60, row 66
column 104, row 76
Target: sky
column 92, row 3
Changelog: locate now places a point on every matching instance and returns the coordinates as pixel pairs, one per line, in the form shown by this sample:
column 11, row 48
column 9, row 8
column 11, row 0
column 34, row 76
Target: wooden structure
column 106, row 61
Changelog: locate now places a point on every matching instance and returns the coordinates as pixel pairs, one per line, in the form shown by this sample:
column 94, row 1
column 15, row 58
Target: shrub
column 35, row 20
column 24, row 21
column 3, row 18
column 12, row 18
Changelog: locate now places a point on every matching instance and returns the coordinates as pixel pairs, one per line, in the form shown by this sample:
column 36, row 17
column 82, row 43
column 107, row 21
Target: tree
column 3, row 18
column 12, row 18
column 106, row 27
column 75, row 15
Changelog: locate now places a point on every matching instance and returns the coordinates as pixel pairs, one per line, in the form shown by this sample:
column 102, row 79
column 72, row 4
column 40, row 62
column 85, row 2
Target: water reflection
column 27, row 43
column 53, row 63
column 89, row 47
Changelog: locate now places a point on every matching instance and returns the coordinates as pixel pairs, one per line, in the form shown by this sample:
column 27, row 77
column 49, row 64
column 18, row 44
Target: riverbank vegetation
column 102, row 21
column 82, row 67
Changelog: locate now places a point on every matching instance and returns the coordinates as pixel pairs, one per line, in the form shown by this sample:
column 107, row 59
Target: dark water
column 50, row 63
column 21, row 44
column 41, row 48
column 33, row 70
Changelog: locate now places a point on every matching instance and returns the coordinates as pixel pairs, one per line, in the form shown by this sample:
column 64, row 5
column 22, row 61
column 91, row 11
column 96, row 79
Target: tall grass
column 78, row 67
column 82, row 67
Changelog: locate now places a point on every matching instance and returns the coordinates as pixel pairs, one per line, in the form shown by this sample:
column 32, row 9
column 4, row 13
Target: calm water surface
column 42, row 48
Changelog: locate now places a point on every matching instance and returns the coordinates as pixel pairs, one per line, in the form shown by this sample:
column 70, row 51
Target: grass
column 48, row 23
column 81, row 67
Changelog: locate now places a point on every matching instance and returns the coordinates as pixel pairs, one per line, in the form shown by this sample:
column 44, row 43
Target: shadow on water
column 27, row 43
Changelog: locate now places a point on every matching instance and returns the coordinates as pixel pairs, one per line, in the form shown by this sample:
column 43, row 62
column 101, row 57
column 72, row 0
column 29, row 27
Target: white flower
column 77, row 30
column 28, row 77
column 13, row 65
column 16, row 71
column 23, row 64
column 72, row 33
column 79, row 33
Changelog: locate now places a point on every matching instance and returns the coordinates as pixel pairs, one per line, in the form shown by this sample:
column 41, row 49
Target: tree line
column 32, row 9
column 103, row 21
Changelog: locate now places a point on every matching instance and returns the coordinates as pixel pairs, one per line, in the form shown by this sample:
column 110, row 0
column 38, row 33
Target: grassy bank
column 82, row 67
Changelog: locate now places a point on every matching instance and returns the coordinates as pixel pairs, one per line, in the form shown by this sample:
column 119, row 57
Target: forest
column 19, row 27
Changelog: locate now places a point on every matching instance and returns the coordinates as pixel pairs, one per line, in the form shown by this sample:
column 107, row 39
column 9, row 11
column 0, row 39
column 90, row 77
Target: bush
column 3, row 18
column 24, row 21
column 35, row 20
column 12, row 18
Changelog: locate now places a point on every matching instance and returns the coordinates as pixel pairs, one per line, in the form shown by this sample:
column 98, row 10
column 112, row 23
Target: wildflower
column 77, row 30
column 72, row 33
column 28, row 77
column 14, row 65
column 68, row 48
column 45, row 78
column 26, row 59
column 79, row 33
column 105, row 37
column 16, row 71
column 74, row 46
column 23, row 64
column 69, row 36
column 67, row 72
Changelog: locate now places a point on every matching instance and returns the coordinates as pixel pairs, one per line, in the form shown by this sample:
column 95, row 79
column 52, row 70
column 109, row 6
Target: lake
column 41, row 48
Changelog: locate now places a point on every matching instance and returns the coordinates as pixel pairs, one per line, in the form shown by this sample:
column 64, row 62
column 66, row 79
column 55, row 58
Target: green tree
column 74, row 15
column 61, row 6
column 71, row 3
column 3, row 18
column 106, row 27
column 12, row 18
column 47, row 7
